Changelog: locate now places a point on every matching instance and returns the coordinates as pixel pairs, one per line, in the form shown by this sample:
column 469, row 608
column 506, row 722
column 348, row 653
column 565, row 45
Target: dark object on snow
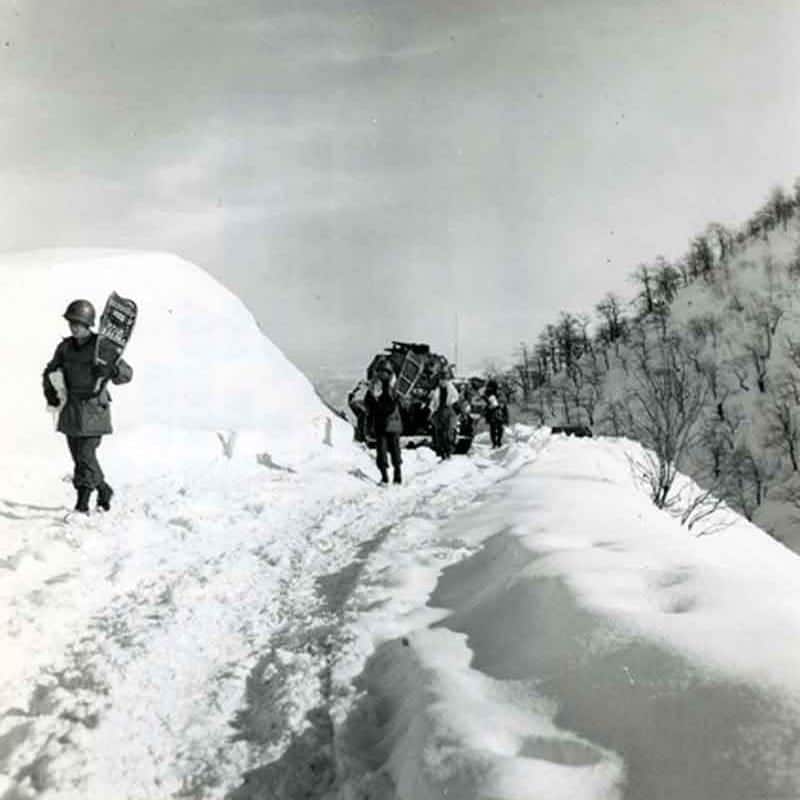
column 265, row 459
column 82, row 504
column 416, row 370
column 104, row 495
column 572, row 430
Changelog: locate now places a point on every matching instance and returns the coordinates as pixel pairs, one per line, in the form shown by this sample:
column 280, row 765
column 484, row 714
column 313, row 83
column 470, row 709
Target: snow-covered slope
column 746, row 323
column 590, row 648
column 201, row 364
column 522, row 621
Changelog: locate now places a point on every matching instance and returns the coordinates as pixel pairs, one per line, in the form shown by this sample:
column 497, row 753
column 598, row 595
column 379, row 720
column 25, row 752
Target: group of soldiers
column 377, row 406
column 85, row 416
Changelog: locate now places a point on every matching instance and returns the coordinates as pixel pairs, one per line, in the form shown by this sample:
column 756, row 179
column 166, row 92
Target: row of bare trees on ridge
column 712, row 389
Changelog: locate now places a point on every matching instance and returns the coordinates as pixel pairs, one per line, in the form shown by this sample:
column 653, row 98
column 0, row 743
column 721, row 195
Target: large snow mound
column 200, row 360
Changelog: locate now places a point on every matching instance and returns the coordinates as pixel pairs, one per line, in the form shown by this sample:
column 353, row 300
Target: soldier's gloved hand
column 105, row 370
column 52, row 399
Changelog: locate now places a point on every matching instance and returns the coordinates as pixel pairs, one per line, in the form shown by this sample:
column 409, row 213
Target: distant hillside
column 702, row 366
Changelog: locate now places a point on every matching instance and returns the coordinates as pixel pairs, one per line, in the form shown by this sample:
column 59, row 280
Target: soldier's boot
column 82, row 505
column 104, row 495
column 384, row 475
column 398, row 475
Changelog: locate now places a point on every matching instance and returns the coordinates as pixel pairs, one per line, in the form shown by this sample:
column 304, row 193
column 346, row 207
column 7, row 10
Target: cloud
column 398, row 159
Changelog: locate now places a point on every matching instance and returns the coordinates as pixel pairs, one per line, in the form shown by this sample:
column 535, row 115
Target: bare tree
column 568, row 339
column 721, row 240
column 522, row 373
column 748, row 480
column 613, row 325
column 562, row 389
column 548, row 345
column 757, row 315
column 665, row 397
column 778, row 209
column 643, row 277
column 614, row 417
column 543, row 403
column 707, row 331
column 747, row 470
column 698, row 506
column 586, row 378
column 781, row 422
column 666, row 282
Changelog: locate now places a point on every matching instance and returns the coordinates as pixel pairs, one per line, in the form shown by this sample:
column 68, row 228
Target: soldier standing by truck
column 443, row 400
column 496, row 413
column 382, row 406
column 86, row 416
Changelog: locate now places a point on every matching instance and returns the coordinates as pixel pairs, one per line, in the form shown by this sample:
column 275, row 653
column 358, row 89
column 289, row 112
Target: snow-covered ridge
column 520, row 619
column 589, row 647
column 200, row 361
column 745, row 324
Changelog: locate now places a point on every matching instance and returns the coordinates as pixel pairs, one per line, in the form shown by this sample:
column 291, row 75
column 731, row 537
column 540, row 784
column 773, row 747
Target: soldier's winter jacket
column 381, row 403
column 451, row 397
column 84, row 413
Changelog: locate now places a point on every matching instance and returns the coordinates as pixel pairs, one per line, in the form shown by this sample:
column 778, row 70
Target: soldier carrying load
column 383, row 407
column 86, row 415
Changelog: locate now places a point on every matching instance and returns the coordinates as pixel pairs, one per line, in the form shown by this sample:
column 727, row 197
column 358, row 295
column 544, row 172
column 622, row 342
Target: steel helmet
column 80, row 311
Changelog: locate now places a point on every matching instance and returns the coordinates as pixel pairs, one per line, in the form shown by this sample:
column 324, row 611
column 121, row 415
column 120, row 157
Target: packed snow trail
column 518, row 622
column 177, row 644
column 590, row 649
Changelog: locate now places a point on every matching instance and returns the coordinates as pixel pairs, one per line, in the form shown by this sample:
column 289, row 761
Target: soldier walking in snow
column 496, row 413
column 494, row 418
column 86, row 416
column 443, row 400
column 382, row 406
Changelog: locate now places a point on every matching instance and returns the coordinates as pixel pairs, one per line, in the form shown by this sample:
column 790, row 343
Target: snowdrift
column 201, row 363
column 590, row 647
column 522, row 622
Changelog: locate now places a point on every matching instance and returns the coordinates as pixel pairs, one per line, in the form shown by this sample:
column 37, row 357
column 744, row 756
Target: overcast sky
column 363, row 170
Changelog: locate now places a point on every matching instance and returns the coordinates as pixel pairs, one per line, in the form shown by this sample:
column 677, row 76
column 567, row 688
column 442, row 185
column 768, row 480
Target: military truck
column 417, row 370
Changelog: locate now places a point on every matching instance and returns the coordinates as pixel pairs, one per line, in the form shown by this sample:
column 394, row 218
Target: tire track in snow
column 41, row 743
column 303, row 764
column 283, row 649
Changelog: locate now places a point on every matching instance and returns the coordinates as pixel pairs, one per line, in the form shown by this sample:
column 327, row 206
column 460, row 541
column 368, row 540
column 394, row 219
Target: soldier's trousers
column 87, row 474
column 444, row 432
column 388, row 444
column 496, row 432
